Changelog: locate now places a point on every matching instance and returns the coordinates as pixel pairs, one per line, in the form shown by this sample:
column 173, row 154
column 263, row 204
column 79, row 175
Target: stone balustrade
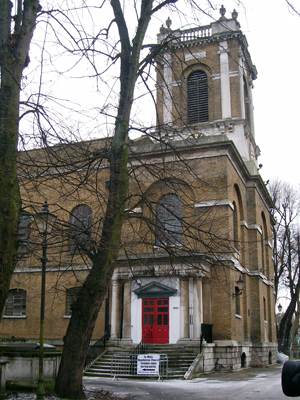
column 195, row 33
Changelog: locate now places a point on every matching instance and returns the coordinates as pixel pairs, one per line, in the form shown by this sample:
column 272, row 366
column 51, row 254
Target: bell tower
column 204, row 85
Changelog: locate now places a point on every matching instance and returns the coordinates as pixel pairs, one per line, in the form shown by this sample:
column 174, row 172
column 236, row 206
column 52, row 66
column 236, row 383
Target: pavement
column 251, row 383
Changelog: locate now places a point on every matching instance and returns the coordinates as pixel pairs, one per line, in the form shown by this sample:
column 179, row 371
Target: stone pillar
column 206, row 296
column 184, row 309
column 167, row 89
column 127, row 312
column 241, row 77
column 225, row 81
column 191, row 307
column 251, row 108
column 198, row 308
column 115, row 309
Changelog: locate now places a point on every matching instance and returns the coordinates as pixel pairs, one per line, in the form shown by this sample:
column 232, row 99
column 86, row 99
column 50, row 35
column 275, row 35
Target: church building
column 196, row 258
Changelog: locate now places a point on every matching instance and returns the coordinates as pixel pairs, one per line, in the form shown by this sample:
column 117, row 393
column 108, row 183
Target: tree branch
column 30, row 11
column 121, row 24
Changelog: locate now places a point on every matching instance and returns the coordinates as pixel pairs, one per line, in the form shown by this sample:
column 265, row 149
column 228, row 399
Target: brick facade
column 212, row 168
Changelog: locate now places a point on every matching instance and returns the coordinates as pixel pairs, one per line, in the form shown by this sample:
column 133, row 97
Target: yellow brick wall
column 56, row 322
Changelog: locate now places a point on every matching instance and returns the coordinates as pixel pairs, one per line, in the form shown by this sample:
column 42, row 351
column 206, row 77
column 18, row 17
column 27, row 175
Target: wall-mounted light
column 239, row 287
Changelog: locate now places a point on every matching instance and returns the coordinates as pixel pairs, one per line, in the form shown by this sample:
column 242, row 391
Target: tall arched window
column 24, row 233
column 81, row 227
column 235, row 226
column 263, row 241
column 71, row 297
column 265, row 309
column 16, row 303
column 237, row 301
column 169, row 220
column 197, row 91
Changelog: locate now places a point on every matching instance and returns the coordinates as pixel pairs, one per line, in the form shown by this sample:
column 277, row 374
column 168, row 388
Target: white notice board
column 148, row 364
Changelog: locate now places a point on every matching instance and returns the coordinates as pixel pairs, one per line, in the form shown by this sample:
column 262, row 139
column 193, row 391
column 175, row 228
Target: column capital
column 223, row 48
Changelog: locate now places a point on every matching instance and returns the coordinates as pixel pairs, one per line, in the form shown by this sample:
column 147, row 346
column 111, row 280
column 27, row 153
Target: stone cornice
column 224, row 36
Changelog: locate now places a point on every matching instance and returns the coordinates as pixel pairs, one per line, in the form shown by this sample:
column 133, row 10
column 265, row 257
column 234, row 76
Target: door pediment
column 154, row 290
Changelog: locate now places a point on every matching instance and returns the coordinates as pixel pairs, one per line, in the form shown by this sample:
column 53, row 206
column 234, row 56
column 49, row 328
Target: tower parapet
column 204, row 85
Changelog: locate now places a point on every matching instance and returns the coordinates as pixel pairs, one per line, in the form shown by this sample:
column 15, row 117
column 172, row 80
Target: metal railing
column 96, row 349
column 127, row 365
column 141, row 348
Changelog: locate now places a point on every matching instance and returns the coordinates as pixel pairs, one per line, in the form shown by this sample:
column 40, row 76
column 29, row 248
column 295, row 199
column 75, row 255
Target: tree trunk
column 295, row 338
column 9, row 191
column 92, row 294
column 286, row 323
column 14, row 49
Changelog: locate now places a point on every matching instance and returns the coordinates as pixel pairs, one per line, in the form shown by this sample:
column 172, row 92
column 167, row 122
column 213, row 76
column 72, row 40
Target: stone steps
column 179, row 359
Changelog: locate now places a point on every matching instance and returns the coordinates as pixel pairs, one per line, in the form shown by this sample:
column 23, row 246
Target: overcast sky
column 273, row 34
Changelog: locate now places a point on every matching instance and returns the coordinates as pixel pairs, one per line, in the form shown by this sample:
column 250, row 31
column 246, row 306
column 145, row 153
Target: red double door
column 155, row 320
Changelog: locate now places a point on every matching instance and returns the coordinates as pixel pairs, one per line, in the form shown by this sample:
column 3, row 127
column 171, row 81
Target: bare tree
column 286, row 254
column 92, row 293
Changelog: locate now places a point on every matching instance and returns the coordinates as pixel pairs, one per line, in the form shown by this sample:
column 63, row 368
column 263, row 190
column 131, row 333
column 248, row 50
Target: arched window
column 265, row 309
column 16, row 303
column 81, row 227
column 169, row 220
column 197, row 91
column 71, row 297
column 237, row 301
column 235, row 226
column 24, row 233
column 263, row 240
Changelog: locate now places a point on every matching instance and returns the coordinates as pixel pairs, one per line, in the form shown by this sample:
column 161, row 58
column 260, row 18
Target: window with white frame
column 16, row 303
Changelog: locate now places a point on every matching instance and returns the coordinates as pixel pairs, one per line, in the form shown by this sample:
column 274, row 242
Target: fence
column 127, row 365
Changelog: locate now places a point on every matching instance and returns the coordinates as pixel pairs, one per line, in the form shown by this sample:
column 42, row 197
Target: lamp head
column 240, row 284
column 45, row 220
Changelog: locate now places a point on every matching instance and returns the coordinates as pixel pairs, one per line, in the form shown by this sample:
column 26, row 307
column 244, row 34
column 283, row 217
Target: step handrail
column 90, row 357
column 142, row 346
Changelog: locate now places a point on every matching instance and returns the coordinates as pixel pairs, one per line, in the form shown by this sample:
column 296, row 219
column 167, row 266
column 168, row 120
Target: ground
column 97, row 394
column 246, row 384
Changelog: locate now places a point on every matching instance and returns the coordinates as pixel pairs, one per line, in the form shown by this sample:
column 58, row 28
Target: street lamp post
column 44, row 221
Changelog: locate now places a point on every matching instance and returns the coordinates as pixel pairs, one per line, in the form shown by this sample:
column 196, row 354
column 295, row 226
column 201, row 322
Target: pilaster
column 225, row 81
column 198, row 308
column 167, row 89
column 115, row 311
column 126, row 335
column 184, row 309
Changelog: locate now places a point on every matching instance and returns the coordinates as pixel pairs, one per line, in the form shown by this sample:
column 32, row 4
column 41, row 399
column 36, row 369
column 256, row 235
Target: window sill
column 238, row 316
column 14, row 316
column 167, row 246
column 67, row 316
